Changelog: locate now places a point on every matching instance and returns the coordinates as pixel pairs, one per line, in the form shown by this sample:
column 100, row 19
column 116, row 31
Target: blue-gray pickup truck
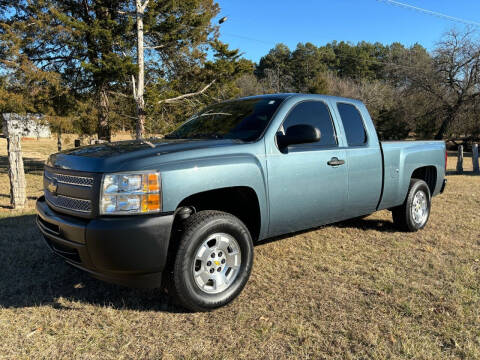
column 185, row 210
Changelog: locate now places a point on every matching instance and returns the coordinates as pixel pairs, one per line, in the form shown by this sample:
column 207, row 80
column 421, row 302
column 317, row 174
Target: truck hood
column 114, row 156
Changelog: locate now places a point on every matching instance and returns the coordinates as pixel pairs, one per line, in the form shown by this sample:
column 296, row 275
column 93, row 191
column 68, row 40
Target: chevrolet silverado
column 185, row 210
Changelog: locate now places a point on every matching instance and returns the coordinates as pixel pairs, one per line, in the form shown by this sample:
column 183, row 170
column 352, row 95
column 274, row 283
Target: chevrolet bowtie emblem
column 217, row 262
column 53, row 186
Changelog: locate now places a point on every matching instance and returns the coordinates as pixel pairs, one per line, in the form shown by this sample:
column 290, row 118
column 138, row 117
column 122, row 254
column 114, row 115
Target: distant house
column 28, row 126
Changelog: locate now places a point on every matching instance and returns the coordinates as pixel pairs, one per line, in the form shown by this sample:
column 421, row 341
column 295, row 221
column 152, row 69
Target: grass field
column 353, row 290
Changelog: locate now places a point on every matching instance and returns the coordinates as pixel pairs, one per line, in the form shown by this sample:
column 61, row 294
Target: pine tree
column 82, row 40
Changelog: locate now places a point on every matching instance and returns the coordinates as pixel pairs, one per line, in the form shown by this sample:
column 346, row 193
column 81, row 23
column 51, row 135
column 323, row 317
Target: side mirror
column 298, row 134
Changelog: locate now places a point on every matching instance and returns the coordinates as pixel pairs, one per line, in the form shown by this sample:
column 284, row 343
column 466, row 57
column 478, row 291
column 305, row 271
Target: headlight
column 134, row 193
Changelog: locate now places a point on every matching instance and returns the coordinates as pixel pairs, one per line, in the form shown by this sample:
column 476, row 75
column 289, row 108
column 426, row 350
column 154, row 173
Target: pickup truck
column 182, row 212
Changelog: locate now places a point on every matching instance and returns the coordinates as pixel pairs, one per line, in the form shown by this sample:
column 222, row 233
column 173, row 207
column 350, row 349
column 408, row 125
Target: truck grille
column 69, row 179
column 72, row 192
column 69, row 203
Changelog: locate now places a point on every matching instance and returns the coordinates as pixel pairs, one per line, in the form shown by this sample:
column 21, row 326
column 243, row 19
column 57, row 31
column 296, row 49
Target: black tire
column 196, row 230
column 402, row 215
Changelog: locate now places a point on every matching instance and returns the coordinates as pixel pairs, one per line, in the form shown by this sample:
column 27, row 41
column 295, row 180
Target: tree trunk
column 140, row 131
column 443, row 128
column 59, row 140
column 16, row 172
column 450, row 116
column 103, row 129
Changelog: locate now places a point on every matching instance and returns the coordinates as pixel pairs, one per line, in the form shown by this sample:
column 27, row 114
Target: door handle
column 334, row 161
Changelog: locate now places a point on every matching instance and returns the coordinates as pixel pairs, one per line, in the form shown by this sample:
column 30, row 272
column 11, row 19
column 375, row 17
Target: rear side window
column 316, row 114
column 353, row 124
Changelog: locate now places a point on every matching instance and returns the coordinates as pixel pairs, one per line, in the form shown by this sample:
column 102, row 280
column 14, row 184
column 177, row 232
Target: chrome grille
column 70, row 179
column 69, row 203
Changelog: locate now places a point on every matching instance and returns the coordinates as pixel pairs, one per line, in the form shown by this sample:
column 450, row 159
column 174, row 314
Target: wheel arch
column 240, row 201
column 222, row 199
column 427, row 174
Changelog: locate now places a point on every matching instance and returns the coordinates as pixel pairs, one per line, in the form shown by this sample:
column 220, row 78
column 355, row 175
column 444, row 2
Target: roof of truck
column 284, row 96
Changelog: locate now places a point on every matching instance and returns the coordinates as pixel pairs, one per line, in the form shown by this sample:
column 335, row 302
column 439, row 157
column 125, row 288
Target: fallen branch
column 181, row 97
column 154, row 47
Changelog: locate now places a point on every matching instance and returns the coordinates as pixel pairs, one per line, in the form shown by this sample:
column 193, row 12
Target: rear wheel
column 213, row 260
column 413, row 214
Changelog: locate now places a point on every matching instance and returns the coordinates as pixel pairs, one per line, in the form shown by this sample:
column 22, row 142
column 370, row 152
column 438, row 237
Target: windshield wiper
column 171, row 136
column 207, row 136
column 213, row 113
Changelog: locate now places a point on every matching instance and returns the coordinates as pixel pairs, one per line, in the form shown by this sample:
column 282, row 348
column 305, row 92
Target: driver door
column 306, row 188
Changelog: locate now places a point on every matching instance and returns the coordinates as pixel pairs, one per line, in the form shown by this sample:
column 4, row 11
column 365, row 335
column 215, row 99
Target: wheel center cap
column 217, row 262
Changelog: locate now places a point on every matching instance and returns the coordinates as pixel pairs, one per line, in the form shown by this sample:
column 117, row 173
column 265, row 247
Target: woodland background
column 78, row 62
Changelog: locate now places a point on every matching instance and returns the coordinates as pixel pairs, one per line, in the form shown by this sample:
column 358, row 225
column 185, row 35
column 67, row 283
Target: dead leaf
column 34, row 331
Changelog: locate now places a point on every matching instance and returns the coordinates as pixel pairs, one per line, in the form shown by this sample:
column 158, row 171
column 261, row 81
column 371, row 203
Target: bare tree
column 450, row 78
column 154, row 42
column 457, row 64
column 139, row 89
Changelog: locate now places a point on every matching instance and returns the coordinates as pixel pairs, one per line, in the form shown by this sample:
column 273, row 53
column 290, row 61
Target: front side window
column 244, row 119
column 352, row 124
column 316, row 114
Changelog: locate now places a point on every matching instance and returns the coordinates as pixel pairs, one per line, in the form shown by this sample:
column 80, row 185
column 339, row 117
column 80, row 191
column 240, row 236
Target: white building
column 29, row 125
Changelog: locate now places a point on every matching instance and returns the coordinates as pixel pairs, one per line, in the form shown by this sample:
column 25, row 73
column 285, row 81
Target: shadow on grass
column 467, row 173
column 31, row 166
column 28, row 197
column 369, row 224
column 31, row 275
column 357, row 223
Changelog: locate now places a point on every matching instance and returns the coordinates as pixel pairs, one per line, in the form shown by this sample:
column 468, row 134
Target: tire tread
column 189, row 227
column 401, row 214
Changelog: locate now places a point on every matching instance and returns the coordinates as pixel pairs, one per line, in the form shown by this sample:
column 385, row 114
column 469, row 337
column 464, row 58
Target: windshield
column 239, row 119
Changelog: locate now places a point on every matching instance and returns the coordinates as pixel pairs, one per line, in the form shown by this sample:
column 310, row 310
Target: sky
column 255, row 26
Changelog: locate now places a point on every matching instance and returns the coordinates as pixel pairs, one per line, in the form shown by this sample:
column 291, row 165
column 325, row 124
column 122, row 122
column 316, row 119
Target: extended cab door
column 307, row 188
column 364, row 159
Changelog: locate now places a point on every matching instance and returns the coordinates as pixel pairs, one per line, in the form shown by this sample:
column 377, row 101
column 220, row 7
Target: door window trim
column 310, row 146
column 367, row 137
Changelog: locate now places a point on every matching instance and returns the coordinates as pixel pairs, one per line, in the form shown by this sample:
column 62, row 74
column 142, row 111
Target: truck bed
column 400, row 159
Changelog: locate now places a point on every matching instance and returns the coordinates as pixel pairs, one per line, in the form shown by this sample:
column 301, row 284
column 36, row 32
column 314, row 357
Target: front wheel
column 413, row 214
column 213, row 260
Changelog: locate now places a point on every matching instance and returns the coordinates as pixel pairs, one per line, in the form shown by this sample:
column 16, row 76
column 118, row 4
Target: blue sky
column 255, row 26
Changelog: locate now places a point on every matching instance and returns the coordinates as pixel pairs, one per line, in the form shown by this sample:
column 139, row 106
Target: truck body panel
column 401, row 159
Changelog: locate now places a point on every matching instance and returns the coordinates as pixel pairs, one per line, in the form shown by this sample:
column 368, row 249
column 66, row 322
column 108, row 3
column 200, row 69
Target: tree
column 82, row 40
column 168, row 33
column 448, row 81
column 309, row 64
column 361, row 61
column 138, row 91
column 92, row 44
column 24, row 88
column 457, row 68
column 275, row 69
column 216, row 80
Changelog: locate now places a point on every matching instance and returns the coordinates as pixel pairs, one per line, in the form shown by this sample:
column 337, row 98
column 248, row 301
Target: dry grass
column 353, row 290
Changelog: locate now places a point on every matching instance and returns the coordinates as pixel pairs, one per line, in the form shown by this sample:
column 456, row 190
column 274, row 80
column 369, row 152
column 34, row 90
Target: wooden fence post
column 13, row 132
column 59, row 141
column 476, row 169
column 460, row 160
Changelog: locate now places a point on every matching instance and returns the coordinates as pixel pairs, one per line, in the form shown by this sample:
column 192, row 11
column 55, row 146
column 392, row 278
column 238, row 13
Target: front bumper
column 128, row 250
